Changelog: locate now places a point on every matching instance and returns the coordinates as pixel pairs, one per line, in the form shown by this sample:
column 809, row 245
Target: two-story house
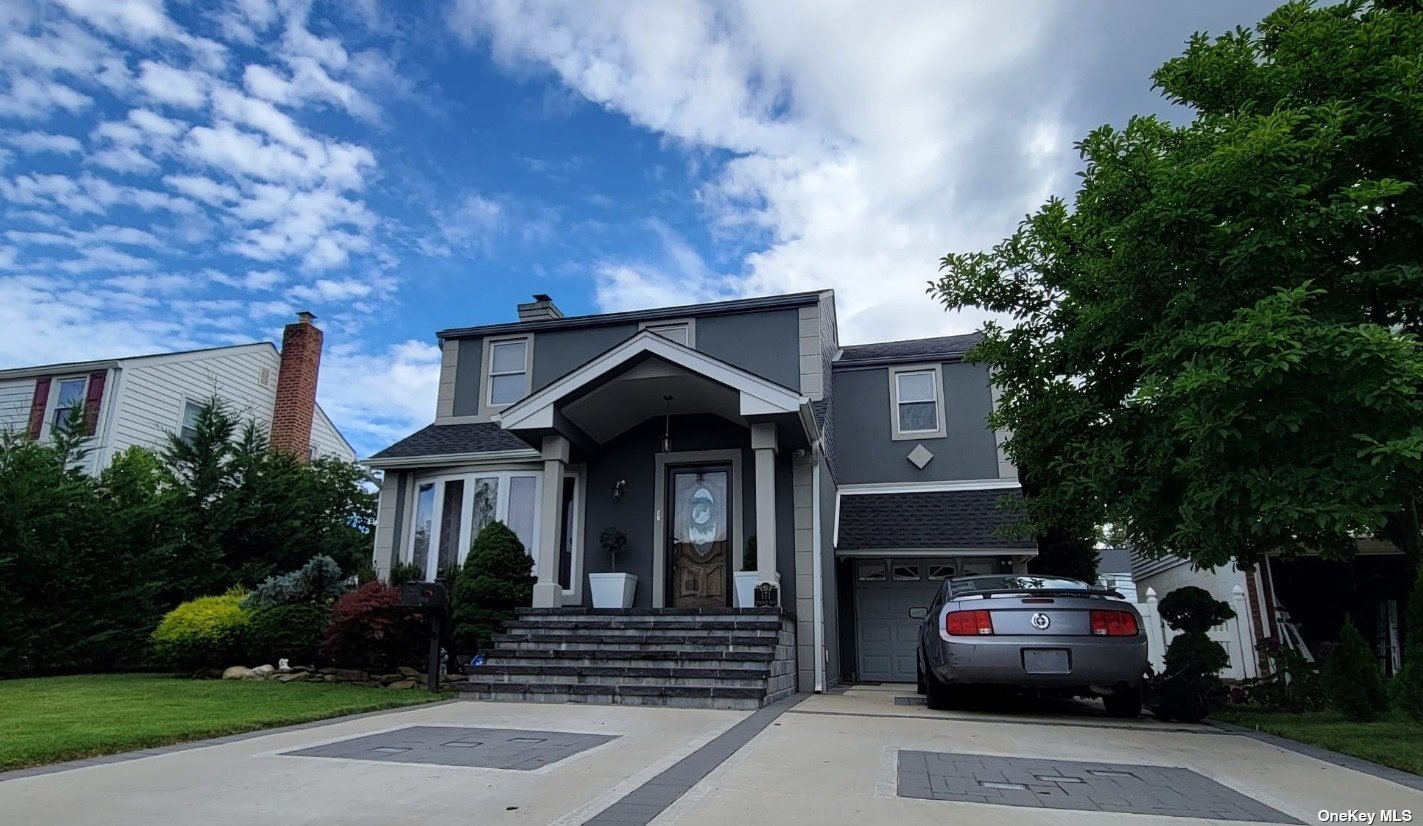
column 723, row 437
column 140, row 400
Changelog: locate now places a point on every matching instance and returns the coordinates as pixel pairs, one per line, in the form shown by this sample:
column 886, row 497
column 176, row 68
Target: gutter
column 817, row 589
column 440, row 460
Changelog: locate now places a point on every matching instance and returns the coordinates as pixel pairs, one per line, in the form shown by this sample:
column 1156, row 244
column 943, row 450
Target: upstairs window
column 69, row 395
column 188, row 428
column 917, row 403
column 508, row 371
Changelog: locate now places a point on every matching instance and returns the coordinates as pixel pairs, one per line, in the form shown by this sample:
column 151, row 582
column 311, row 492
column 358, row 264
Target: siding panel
column 15, row 398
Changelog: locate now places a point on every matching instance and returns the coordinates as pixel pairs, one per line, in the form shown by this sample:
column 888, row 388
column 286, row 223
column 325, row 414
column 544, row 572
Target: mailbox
column 429, row 596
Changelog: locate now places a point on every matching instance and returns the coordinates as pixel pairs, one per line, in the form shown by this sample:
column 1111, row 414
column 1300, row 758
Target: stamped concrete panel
column 490, row 748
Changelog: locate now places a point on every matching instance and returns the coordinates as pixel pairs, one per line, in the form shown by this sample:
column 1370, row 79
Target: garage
column 895, row 549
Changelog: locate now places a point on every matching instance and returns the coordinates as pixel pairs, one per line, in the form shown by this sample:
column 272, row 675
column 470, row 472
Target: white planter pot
column 612, row 590
column 745, row 589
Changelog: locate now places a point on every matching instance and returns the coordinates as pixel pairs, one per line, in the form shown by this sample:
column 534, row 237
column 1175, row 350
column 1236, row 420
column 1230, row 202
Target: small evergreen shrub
column 1193, row 609
column 1408, row 685
column 1353, row 685
column 403, row 572
column 1193, row 612
column 1290, row 682
column 318, row 582
column 292, row 632
column 370, row 630
column 497, row 579
column 206, row 632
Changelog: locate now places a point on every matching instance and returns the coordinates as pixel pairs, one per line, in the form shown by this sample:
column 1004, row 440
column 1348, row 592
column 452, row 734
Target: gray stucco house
column 865, row 474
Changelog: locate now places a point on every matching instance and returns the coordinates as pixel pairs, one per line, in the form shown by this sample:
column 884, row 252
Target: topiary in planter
column 497, row 579
column 1193, row 610
column 369, row 630
column 1408, row 685
column 1353, row 685
column 206, row 632
column 291, row 632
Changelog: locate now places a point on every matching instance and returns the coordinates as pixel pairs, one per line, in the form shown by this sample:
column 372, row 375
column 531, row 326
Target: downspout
column 817, row 588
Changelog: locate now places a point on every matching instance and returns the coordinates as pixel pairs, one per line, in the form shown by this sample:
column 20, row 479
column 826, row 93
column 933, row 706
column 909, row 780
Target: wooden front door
column 699, row 536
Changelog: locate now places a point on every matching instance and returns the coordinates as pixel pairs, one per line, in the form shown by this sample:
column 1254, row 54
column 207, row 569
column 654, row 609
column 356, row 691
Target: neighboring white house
column 141, row 400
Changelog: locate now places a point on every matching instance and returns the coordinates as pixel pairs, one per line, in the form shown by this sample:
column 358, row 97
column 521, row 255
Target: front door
column 699, row 536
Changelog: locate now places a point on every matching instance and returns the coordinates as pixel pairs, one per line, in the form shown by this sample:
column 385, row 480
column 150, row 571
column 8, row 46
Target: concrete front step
column 633, row 613
column 645, row 625
column 607, row 694
column 641, row 656
column 574, row 675
column 671, row 639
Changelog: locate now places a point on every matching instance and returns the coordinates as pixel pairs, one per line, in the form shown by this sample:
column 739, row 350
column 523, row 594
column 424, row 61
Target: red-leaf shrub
column 369, row 630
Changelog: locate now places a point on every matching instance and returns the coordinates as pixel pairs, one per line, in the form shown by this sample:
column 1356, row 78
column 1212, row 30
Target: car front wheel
column 1125, row 702
column 919, row 675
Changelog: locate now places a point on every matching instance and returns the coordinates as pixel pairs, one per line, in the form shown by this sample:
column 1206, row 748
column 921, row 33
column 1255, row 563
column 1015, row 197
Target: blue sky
column 188, row 174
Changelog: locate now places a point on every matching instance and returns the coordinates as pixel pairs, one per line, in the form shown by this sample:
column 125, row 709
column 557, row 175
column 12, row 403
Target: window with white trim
column 69, row 394
column 450, row 511
column 916, row 402
column 188, row 427
column 508, row 371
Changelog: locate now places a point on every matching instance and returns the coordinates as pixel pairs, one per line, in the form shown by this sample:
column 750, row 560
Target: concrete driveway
column 865, row 756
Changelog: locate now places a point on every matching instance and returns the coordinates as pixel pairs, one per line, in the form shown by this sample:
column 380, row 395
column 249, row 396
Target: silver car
column 1047, row 634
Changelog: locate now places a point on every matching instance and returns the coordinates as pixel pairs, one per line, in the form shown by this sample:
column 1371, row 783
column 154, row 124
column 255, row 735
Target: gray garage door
column 885, row 590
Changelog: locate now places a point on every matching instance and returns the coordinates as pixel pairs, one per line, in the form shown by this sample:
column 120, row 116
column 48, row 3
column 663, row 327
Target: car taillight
column 969, row 623
column 1113, row 624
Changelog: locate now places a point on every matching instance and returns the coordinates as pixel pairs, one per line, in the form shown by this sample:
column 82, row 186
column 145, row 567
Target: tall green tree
column 1215, row 348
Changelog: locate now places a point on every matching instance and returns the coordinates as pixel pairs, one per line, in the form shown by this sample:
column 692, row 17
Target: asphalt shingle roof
column 447, row 439
column 943, row 348
column 947, row 519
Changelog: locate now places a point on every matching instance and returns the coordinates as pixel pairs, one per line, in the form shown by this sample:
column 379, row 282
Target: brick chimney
column 541, row 307
column 296, row 386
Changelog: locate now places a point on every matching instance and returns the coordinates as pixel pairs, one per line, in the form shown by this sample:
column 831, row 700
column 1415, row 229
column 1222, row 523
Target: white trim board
column 435, row 460
column 930, row 487
column 1016, row 552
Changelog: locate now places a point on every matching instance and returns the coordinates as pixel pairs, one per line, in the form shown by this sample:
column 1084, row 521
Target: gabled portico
column 589, row 416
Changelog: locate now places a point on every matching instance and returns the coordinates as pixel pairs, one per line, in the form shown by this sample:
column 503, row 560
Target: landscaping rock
column 263, row 670
column 327, row 671
column 408, row 671
column 349, row 675
column 387, row 679
column 236, row 672
column 402, row 685
column 329, row 678
column 290, row 678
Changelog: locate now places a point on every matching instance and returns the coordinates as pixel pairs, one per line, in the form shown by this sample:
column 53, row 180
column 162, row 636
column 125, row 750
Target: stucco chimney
column 541, row 307
column 296, row 386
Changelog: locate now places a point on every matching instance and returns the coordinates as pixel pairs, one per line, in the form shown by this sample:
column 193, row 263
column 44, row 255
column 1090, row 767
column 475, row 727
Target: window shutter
column 37, row 406
column 93, row 398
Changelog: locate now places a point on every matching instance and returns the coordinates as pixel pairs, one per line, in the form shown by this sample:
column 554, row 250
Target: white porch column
column 763, row 442
column 548, row 593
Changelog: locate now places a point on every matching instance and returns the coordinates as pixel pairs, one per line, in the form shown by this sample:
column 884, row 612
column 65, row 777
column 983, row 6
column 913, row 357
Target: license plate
column 1047, row 661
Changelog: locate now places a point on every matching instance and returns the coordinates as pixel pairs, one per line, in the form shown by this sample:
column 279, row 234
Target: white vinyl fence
column 1236, row 635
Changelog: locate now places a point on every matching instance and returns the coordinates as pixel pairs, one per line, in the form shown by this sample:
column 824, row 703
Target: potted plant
column 612, row 590
column 746, row 577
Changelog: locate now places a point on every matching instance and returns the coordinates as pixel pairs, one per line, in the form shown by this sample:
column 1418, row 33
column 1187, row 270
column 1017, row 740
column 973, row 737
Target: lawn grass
column 49, row 719
column 1395, row 741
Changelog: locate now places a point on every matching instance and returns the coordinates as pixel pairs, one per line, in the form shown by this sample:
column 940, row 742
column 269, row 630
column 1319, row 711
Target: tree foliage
column 90, row 564
column 1408, row 684
column 1215, row 348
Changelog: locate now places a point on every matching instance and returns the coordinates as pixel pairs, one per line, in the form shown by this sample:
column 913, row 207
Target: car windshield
column 983, row 584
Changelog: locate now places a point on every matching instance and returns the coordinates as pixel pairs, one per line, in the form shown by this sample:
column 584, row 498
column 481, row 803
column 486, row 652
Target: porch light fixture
column 667, row 426
column 618, row 488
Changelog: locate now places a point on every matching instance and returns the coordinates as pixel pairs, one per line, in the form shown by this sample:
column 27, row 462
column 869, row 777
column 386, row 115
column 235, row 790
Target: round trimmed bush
column 286, row 631
column 1194, row 610
column 206, row 632
column 1353, row 684
column 497, row 579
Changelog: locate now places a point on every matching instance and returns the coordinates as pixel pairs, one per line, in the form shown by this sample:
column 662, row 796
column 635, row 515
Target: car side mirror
column 918, row 613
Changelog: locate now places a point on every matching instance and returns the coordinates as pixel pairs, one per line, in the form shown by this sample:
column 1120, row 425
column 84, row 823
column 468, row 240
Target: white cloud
column 35, row 99
column 403, row 376
column 203, row 189
column 173, row 86
column 38, row 142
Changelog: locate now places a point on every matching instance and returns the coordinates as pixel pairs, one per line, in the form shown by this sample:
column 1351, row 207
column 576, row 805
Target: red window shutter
column 37, row 406
column 93, row 398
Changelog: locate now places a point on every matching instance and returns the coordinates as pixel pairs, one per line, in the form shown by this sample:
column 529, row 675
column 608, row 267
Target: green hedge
column 206, row 632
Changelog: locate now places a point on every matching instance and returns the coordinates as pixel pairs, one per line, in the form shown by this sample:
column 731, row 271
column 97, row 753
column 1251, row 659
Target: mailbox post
column 431, row 600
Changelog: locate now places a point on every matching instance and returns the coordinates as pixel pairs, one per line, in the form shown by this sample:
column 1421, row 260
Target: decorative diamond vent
column 920, row 456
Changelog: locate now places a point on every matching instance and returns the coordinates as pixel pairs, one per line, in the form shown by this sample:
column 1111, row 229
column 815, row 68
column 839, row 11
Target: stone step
column 711, row 677
column 682, row 625
column 686, row 649
column 633, row 613
column 713, row 640
column 652, row 656
column 606, row 694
